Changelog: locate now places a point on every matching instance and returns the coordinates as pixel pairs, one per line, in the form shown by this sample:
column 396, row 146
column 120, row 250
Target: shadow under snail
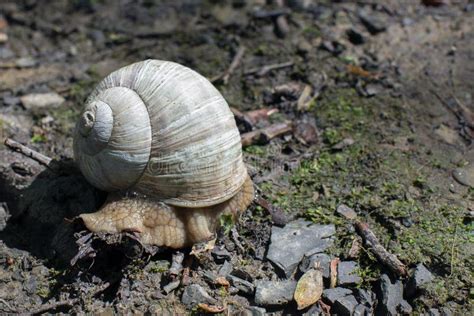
column 162, row 139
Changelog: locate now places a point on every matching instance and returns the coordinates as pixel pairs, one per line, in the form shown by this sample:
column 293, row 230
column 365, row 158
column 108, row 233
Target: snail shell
column 161, row 129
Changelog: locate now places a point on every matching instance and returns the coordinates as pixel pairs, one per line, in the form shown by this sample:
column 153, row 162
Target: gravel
column 304, row 237
column 274, row 292
column 347, row 273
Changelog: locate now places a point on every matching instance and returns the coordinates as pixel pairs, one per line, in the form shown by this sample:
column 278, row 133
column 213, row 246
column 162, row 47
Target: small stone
column 434, row 312
column 420, row 276
column 464, row 176
column 274, row 292
column 303, row 236
column 405, row 308
column 355, row 36
column 371, row 90
column 242, row 285
column 3, row 37
column 225, row 269
column 361, row 310
column 10, row 100
column 346, row 211
column 347, row 273
column 323, row 259
column 4, row 216
column 390, row 296
column 314, row 310
column 365, row 297
column 331, row 295
column 255, row 311
column 345, row 305
column 220, row 254
column 25, row 62
column 194, row 294
column 407, row 222
column 374, row 23
column 346, row 142
column 39, row 101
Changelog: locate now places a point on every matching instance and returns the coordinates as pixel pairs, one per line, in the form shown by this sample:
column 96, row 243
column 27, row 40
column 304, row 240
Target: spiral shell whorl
column 194, row 154
column 112, row 139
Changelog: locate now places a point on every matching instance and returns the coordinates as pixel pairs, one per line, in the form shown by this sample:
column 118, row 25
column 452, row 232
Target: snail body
column 164, row 131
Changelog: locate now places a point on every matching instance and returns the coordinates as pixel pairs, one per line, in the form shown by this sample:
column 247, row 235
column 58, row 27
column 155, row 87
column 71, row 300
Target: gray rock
column 194, row 294
column 465, row 176
column 308, row 262
column 220, row 254
column 242, row 285
column 274, row 292
column 405, row 308
column 434, row 312
column 420, row 276
column 331, row 295
column 355, row 36
column 303, row 236
column 365, row 297
column 314, row 310
column 361, row 310
column 373, row 22
column 347, row 273
column 225, row 269
column 345, row 305
column 4, row 216
column 390, row 296
column 255, row 311
column 39, row 101
column 346, row 211
column 25, row 62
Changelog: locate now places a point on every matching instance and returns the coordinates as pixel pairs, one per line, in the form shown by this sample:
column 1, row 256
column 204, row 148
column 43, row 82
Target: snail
column 162, row 140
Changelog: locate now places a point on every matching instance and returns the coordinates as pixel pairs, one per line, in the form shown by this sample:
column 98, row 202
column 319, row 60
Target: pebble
column 220, row 254
column 323, row 259
column 346, row 211
column 390, row 296
column 374, row 24
column 347, row 273
column 25, row 62
column 405, row 308
column 4, row 216
column 242, row 285
column 420, row 276
column 255, row 311
column 345, row 305
column 225, row 269
column 38, row 101
column 3, row 37
column 274, row 292
column 464, row 176
column 355, row 36
column 304, row 237
column 365, row 297
column 194, row 294
column 331, row 295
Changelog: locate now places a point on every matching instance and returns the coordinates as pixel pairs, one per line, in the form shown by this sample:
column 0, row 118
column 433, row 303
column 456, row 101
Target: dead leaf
column 360, row 72
column 309, row 287
column 200, row 248
column 222, row 281
column 211, row 308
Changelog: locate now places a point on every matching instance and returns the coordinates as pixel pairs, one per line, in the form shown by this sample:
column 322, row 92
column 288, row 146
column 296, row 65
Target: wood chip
column 333, row 272
column 211, row 308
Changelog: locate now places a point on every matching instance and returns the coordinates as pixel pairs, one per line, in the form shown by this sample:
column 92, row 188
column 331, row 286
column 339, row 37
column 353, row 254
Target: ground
column 391, row 104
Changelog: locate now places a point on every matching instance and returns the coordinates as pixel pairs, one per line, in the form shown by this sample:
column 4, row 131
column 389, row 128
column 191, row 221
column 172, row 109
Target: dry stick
column 263, row 70
column 28, row 152
column 255, row 116
column 384, row 257
column 264, row 135
column 233, row 65
column 278, row 216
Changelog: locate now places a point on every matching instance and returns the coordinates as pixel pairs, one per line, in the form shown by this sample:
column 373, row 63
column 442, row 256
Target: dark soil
column 387, row 125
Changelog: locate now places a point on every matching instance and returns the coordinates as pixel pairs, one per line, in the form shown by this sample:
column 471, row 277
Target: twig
column 384, row 257
column 278, row 216
column 265, row 69
column 28, row 152
column 264, row 135
column 233, row 65
column 255, row 116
